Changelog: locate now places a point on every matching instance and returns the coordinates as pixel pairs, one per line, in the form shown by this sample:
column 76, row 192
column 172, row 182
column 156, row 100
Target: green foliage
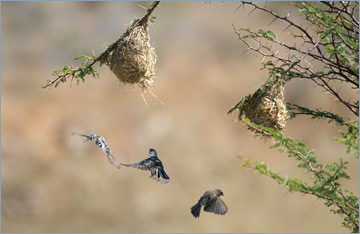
column 268, row 35
column 327, row 178
column 79, row 73
column 152, row 19
column 350, row 137
column 315, row 114
column 239, row 106
column 350, row 133
column 337, row 31
column 332, row 40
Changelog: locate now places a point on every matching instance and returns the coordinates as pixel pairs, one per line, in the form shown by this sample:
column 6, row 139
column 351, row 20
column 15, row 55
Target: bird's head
column 152, row 153
column 219, row 192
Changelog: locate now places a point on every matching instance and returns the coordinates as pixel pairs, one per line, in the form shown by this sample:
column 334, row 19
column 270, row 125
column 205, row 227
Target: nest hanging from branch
column 266, row 106
column 133, row 58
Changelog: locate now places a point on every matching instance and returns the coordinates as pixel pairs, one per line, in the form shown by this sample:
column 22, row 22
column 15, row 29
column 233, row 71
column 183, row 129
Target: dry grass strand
column 267, row 107
column 133, row 59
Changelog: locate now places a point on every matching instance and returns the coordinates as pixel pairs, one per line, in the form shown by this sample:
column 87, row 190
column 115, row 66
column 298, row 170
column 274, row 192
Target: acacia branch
column 87, row 68
column 334, row 67
column 319, row 174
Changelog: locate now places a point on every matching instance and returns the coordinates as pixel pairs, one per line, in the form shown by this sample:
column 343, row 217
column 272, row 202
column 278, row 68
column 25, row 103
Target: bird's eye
column 152, row 153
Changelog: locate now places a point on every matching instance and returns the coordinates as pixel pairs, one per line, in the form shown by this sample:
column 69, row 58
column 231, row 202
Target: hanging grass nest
column 267, row 106
column 133, row 58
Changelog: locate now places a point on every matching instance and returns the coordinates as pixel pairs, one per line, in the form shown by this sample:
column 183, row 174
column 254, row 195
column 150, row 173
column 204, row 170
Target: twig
column 336, row 69
column 316, row 172
column 104, row 55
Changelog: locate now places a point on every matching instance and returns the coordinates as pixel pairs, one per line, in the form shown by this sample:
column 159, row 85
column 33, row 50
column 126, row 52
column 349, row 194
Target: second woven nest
column 133, row 58
column 267, row 106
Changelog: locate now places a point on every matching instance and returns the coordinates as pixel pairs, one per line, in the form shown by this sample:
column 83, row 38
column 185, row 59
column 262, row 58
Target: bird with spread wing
column 154, row 165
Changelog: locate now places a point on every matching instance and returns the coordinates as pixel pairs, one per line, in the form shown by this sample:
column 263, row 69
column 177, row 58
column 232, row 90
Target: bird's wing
column 154, row 165
column 216, row 206
column 147, row 165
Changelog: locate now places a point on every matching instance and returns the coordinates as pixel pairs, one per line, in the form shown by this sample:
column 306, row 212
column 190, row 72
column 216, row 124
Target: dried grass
column 133, row 58
column 267, row 106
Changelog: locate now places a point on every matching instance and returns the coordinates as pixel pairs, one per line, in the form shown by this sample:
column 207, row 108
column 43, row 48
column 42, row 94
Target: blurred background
column 54, row 182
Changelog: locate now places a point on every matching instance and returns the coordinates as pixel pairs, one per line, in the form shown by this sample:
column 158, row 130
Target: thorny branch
column 334, row 69
column 88, row 69
column 316, row 172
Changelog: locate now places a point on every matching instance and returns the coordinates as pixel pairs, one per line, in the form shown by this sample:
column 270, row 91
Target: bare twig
column 333, row 69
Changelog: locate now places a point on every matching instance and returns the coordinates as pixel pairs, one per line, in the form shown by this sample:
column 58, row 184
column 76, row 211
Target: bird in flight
column 212, row 203
column 154, row 165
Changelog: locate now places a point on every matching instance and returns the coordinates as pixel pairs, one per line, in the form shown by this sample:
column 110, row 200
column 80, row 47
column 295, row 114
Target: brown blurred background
column 54, row 182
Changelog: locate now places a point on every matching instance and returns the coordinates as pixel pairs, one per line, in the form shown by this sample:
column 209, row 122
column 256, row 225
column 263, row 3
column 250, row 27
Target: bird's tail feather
column 195, row 210
column 164, row 175
column 158, row 176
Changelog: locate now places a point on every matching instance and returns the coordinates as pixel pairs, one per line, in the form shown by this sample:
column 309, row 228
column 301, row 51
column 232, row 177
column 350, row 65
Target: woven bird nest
column 267, row 106
column 133, row 58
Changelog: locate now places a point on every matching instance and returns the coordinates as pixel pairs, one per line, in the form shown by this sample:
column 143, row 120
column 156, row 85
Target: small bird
column 211, row 202
column 153, row 164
